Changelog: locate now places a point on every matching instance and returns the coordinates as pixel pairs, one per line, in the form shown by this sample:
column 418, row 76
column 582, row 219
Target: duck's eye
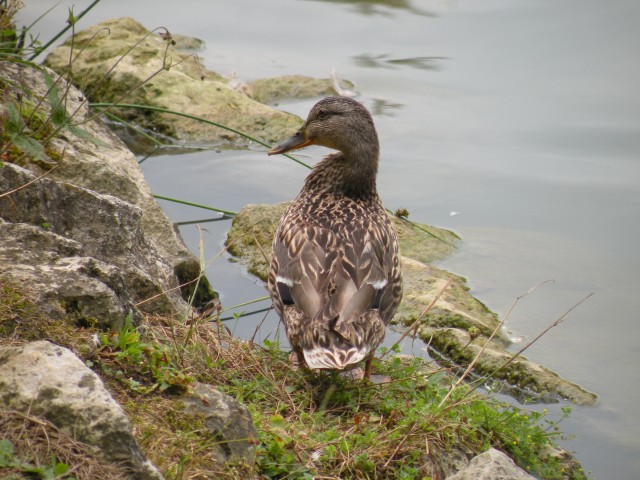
column 322, row 114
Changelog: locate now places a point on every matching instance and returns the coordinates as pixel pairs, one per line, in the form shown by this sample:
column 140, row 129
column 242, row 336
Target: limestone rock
column 491, row 465
column 158, row 74
column 455, row 328
column 90, row 155
column 86, row 251
column 63, row 283
column 227, row 419
column 94, row 193
column 49, row 381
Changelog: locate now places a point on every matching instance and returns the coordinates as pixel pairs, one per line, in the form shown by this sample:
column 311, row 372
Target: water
column 515, row 123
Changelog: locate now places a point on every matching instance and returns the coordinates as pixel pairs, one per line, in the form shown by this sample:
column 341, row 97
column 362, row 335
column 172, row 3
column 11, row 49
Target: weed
column 9, row 460
column 32, row 447
column 143, row 366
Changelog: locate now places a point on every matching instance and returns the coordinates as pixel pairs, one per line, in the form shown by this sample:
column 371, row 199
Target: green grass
column 9, row 460
column 329, row 426
column 309, row 424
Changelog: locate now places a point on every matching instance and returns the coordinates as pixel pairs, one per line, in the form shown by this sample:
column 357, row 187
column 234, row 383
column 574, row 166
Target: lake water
column 514, row 123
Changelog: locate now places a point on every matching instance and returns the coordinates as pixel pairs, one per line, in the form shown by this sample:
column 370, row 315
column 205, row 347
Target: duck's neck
column 351, row 173
column 361, row 171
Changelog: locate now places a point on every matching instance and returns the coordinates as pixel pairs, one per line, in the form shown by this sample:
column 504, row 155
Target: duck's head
column 340, row 123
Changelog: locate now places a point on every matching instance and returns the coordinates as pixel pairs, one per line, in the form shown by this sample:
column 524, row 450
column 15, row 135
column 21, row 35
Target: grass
column 32, row 447
column 309, row 425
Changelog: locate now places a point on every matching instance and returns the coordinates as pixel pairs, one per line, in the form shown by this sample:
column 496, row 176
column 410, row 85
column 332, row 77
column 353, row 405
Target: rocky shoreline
column 83, row 233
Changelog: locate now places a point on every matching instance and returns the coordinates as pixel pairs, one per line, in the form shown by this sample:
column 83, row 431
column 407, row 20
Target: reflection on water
column 371, row 7
column 384, row 107
column 386, row 61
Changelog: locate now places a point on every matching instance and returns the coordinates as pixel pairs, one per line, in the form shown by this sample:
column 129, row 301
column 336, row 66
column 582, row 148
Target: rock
column 63, row 283
column 92, row 156
column 48, row 381
column 271, row 90
column 523, row 379
column 491, row 465
column 86, row 251
column 446, row 461
column 158, row 74
column 94, row 194
column 188, row 44
column 455, row 328
column 25, row 435
column 456, row 307
column 228, row 420
column 568, row 462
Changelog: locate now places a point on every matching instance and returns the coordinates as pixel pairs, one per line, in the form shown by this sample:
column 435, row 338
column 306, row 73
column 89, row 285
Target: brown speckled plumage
column 335, row 272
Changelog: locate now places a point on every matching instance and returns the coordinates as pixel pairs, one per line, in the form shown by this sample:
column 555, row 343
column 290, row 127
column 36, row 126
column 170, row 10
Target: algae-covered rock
column 456, row 327
column 455, row 308
column 270, row 90
column 121, row 61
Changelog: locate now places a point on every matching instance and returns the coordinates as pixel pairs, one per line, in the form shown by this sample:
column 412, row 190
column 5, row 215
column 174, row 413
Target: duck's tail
column 337, row 345
column 318, row 357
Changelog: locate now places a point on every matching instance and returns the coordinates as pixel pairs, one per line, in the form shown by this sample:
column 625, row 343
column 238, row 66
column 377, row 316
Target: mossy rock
column 520, row 377
column 120, row 61
column 456, row 327
column 271, row 90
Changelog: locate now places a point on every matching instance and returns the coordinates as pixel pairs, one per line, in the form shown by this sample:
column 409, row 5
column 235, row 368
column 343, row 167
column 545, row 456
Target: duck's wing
column 328, row 286
column 304, row 257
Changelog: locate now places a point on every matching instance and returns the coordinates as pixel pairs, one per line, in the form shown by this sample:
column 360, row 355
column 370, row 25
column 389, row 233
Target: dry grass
column 303, row 418
column 37, row 442
column 310, row 425
column 320, row 424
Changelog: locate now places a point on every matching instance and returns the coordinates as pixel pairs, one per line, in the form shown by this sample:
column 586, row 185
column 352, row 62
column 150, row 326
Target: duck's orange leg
column 297, row 359
column 367, row 367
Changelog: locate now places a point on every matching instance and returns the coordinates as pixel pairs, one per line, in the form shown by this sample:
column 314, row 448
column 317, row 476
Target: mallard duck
column 335, row 275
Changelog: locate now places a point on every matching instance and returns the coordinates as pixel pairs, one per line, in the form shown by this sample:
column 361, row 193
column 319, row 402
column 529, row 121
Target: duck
column 335, row 272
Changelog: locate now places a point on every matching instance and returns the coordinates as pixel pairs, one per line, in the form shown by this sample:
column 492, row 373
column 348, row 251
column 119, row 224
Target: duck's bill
column 295, row 142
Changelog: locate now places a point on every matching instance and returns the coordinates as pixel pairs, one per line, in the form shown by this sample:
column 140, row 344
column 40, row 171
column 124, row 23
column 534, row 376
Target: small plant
column 137, row 360
column 10, row 461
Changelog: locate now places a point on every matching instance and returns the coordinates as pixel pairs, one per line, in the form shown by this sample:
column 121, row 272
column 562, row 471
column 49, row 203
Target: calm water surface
column 514, row 123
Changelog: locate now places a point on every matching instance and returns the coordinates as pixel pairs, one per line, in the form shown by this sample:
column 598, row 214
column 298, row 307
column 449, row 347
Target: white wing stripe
column 379, row 284
column 287, row 281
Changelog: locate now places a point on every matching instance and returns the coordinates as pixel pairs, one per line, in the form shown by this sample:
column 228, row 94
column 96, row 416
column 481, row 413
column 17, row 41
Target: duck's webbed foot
column 353, row 374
